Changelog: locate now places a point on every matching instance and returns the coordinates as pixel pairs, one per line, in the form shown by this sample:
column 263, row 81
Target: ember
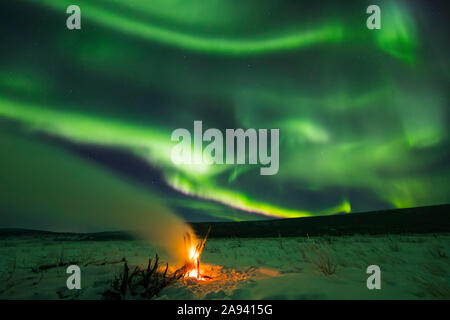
column 194, row 249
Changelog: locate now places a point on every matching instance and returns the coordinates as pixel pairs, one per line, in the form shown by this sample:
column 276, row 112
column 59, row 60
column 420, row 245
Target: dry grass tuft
column 437, row 252
column 7, row 281
column 319, row 255
column 393, row 245
column 433, row 288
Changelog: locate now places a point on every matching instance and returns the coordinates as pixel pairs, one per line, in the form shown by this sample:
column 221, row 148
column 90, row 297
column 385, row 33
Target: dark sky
column 86, row 116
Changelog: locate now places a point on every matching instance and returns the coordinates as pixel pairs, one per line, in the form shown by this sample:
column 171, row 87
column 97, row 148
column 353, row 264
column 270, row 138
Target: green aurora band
column 363, row 115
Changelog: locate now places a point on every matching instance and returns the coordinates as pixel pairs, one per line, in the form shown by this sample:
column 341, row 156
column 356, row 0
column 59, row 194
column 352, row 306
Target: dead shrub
column 142, row 282
column 319, row 255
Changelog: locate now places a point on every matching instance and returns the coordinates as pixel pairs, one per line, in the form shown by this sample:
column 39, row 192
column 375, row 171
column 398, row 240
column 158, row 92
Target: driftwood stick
column 201, row 245
column 65, row 264
column 51, row 266
column 105, row 262
column 155, row 266
column 124, row 285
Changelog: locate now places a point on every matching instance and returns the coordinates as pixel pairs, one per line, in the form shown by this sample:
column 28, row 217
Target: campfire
column 148, row 281
column 194, row 249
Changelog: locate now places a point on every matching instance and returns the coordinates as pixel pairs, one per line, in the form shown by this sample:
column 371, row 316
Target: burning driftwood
column 148, row 282
column 194, row 251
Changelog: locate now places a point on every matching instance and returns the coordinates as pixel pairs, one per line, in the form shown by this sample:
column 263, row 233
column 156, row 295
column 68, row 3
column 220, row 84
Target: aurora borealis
column 363, row 114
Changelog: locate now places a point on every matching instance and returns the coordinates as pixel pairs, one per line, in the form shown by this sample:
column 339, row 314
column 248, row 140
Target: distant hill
column 430, row 219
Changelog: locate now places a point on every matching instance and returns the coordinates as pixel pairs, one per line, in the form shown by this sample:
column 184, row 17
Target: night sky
column 86, row 116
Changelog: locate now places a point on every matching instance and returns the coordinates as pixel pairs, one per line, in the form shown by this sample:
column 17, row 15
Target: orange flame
column 194, row 249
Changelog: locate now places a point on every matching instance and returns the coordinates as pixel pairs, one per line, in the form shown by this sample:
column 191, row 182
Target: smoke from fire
column 65, row 193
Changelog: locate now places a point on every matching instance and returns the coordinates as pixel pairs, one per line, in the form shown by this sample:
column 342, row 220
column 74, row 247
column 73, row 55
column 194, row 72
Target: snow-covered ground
column 412, row 267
